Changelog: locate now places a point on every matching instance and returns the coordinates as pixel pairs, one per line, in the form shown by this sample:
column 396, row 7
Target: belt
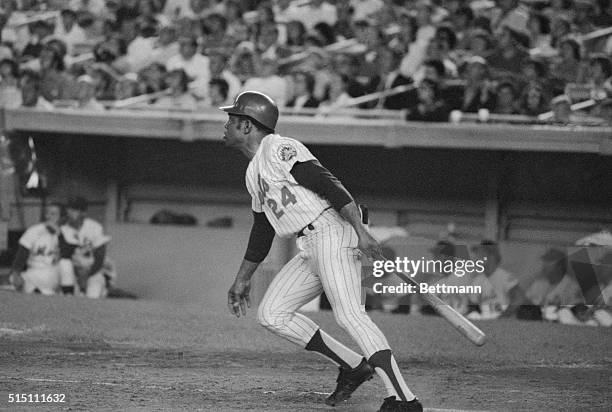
column 301, row 232
column 310, row 225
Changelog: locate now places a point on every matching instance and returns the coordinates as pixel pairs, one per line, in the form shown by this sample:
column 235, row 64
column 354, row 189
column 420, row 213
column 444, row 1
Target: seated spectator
column 31, row 92
column 599, row 76
column 583, row 17
column 567, row 66
column 533, row 100
column 127, row 87
column 506, row 102
column 10, row 95
column 497, row 284
column 69, row 31
column 391, row 78
column 430, row 107
column 101, row 75
column 296, row 34
column 480, row 43
column 539, row 31
column 303, row 88
column 219, row 69
column 140, row 50
column 152, row 78
column 34, row 268
column 215, row 27
column 218, row 93
column 56, row 84
column 562, row 109
column 237, row 30
column 269, row 82
column 510, row 53
column 179, row 98
column 478, row 92
column 462, row 22
column 425, row 32
column 165, row 46
column 344, row 22
column 314, row 12
column 82, row 252
column 439, row 49
column 242, row 63
column 195, row 65
column 337, row 96
column 509, row 13
column 86, row 94
column 40, row 31
column 268, row 45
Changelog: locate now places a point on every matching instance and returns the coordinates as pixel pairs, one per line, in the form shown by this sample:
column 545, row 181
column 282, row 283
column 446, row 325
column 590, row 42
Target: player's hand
column 17, row 281
column 238, row 299
column 369, row 246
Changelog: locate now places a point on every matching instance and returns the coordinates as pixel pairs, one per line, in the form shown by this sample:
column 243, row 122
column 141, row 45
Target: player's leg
column 96, row 286
column 293, row 287
column 45, row 280
column 67, row 276
column 340, row 272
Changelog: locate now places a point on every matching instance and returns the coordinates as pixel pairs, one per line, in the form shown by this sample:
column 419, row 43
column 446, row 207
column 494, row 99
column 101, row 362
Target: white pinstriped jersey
column 288, row 206
column 43, row 246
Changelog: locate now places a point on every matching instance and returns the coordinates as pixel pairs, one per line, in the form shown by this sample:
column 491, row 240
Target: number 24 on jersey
column 287, row 198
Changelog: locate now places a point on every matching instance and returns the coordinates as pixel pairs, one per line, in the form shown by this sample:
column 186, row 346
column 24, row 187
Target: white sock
column 349, row 356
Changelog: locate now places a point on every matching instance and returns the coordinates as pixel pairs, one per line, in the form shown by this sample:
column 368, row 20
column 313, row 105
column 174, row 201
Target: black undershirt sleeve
column 66, row 249
column 21, row 259
column 260, row 239
column 99, row 254
column 313, row 176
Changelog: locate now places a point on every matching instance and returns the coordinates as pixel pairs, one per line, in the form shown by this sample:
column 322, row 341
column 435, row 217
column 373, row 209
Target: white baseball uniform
column 88, row 237
column 328, row 259
column 41, row 272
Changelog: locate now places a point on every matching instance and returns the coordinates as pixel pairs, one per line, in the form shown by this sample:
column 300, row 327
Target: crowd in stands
column 573, row 285
column 506, row 57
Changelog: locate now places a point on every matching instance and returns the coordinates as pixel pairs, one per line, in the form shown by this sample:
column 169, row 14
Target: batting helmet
column 256, row 106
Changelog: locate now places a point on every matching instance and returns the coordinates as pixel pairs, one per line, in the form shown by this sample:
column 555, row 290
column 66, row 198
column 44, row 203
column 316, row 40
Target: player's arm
column 99, row 254
column 260, row 242
column 18, row 266
column 313, row 176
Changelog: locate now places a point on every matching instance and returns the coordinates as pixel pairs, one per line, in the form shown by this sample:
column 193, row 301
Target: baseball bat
column 459, row 322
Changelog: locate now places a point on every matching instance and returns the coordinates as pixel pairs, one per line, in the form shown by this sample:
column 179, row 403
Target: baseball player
column 294, row 195
column 39, row 252
column 83, row 250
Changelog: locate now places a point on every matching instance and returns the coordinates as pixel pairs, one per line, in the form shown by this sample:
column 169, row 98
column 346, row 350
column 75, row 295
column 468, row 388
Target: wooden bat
column 461, row 323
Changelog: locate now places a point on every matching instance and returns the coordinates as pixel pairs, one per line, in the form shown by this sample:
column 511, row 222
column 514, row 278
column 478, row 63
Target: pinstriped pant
column 328, row 261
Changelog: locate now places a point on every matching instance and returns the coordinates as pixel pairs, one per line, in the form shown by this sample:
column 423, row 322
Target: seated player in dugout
column 83, row 250
column 293, row 195
column 34, row 268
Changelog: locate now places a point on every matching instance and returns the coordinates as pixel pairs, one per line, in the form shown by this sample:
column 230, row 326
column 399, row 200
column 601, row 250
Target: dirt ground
column 133, row 355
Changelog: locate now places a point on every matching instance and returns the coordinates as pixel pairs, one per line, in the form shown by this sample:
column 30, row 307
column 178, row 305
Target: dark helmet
column 256, row 106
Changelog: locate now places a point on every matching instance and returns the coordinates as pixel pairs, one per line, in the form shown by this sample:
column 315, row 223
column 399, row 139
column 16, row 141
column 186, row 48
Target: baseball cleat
column 392, row 404
column 348, row 382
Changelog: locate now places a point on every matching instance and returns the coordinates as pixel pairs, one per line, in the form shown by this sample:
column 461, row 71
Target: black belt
column 310, row 226
column 301, row 232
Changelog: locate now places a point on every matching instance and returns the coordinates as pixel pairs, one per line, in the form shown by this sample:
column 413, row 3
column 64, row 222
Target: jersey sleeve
column 97, row 236
column 255, row 203
column 28, row 238
column 283, row 153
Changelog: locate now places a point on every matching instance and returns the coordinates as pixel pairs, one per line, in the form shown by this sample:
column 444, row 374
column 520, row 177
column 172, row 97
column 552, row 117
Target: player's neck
column 250, row 147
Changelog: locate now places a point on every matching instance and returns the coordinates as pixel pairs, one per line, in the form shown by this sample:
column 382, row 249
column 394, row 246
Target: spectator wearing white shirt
column 179, row 98
column 314, row 12
column 165, row 46
column 196, row 65
column 31, row 92
column 269, row 82
column 219, row 70
column 363, row 9
column 426, row 31
column 10, row 95
column 140, row 50
column 69, row 31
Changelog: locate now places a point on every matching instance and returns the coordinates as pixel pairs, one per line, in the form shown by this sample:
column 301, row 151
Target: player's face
column 52, row 215
column 233, row 135
column 73, row 215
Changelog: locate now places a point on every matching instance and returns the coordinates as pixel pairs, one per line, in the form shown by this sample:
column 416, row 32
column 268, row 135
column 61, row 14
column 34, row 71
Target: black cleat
column 392, row 404
column 348, row 382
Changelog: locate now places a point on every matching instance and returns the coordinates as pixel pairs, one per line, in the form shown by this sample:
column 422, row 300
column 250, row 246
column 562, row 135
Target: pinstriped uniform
column 328, row 259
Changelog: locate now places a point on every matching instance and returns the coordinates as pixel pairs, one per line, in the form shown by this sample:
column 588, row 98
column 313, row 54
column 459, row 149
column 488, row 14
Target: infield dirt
column 139, row 355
